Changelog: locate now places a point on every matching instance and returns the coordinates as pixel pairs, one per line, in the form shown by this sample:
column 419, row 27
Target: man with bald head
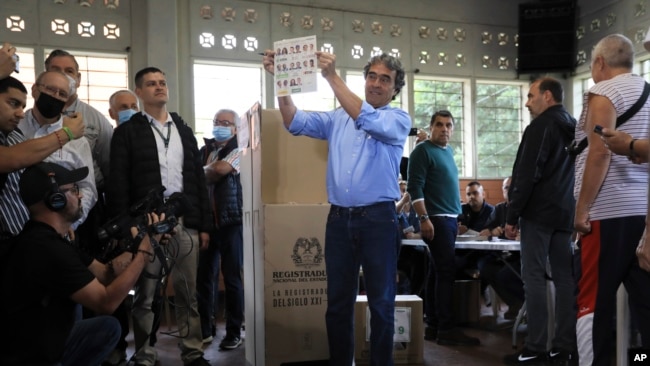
column 50, row 92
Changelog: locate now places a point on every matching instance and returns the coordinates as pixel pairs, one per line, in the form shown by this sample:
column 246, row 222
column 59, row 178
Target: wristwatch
column 424, row 218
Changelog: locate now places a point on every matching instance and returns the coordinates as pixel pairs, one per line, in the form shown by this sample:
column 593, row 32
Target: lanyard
column 169, row 131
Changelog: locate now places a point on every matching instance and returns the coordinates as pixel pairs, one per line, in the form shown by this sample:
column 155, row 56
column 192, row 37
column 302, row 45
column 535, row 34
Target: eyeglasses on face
column 53, row 91
column 222, row 122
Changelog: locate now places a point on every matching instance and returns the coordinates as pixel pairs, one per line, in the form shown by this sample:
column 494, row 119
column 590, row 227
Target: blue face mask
column 221, row 133
column 125, row 115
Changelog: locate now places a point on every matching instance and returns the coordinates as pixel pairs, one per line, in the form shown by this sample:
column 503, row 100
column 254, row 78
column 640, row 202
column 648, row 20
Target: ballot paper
column 296, row 65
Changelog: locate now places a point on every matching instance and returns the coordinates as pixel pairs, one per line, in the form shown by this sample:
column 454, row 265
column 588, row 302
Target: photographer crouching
column 43, row 277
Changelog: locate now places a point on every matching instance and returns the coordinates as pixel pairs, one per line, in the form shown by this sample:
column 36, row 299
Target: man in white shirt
column 157, row 149
column 50, row 91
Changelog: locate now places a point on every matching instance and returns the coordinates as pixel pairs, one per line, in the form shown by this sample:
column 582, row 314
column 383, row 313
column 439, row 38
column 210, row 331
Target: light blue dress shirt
column 364, row 155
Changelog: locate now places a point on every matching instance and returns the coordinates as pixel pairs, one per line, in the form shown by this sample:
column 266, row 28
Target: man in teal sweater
column 433, row 186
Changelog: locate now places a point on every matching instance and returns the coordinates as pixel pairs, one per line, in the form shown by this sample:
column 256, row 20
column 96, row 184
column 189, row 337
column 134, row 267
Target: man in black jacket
column 541, row 204
column 221, row 164
column 157, row 149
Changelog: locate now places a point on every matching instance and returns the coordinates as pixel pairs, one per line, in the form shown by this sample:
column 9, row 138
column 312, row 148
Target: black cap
column 35, row 181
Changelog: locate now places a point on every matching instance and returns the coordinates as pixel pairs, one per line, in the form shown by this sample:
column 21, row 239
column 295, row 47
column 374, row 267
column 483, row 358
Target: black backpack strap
column 576, row 149
column 635, row 108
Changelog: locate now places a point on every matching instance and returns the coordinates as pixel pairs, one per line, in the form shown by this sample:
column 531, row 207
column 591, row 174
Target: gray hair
column 393, row 64
column 235, row 116
column 111, row 99
column 617, row 51
column 71, row 82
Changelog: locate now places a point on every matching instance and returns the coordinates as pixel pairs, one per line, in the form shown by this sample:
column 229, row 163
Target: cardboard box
column 409, row 330
column 293, row 167
column 295, row 283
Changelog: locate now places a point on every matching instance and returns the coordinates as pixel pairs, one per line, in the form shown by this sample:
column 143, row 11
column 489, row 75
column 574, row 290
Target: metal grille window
column 501, row 117
column 430, row 95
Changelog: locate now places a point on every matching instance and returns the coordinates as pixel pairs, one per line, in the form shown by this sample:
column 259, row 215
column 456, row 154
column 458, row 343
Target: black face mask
column 49, row 106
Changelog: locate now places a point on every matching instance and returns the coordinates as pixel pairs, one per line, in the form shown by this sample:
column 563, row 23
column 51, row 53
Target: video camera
column 119, row 227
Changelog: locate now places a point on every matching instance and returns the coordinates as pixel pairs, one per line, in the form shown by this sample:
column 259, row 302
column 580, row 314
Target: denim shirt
column 364, row 155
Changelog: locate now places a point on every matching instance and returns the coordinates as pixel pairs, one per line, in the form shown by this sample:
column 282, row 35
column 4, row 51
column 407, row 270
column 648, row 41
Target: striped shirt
column 232, row 158
column 624, row 189
column 13, row 213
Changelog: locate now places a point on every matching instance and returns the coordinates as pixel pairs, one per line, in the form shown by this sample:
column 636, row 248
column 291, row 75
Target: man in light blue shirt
column 366, row 140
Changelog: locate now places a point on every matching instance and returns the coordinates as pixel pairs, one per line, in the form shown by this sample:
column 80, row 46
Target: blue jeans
column 91, row 341
column 368, row 236
column 442, row 272
column 227, row 243
column 540, row 244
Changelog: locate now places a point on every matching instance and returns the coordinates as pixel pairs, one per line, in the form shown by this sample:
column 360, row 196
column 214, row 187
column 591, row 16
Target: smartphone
column 598, row 129
column 413, row 131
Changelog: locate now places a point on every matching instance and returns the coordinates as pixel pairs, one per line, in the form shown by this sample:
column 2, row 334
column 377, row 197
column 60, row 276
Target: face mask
column 49, row 106
column 125, row 115
column 221, row 133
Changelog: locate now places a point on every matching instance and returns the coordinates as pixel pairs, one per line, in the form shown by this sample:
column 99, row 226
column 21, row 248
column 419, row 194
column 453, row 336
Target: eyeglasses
column 53, row 91
column 222, row 122
column 74, row 190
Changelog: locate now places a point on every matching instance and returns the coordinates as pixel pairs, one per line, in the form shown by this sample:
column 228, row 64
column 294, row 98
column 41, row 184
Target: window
column 102, row 74
column 487, row 147
column 235, row 87
column 501, row 117
column 644, row 69
column 431, row 95
column 580, row 86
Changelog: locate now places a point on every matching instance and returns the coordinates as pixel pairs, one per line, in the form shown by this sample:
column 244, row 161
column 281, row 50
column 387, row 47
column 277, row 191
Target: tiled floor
column 495, row 343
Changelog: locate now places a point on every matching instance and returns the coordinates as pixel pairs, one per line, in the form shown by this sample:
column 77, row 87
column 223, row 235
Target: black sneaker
column 455, row 337
column 560, row 357
column 526, row 357
column 430, row 333
column 230, row 342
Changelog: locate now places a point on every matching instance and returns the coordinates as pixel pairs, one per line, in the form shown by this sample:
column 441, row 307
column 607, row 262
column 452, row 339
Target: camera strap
column 577, row 148
column 164, row 267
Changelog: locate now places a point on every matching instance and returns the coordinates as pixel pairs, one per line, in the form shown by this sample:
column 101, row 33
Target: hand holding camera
column 153, row 215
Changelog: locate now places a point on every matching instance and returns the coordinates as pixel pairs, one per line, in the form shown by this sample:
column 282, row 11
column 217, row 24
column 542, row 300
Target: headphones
column 54, row 199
